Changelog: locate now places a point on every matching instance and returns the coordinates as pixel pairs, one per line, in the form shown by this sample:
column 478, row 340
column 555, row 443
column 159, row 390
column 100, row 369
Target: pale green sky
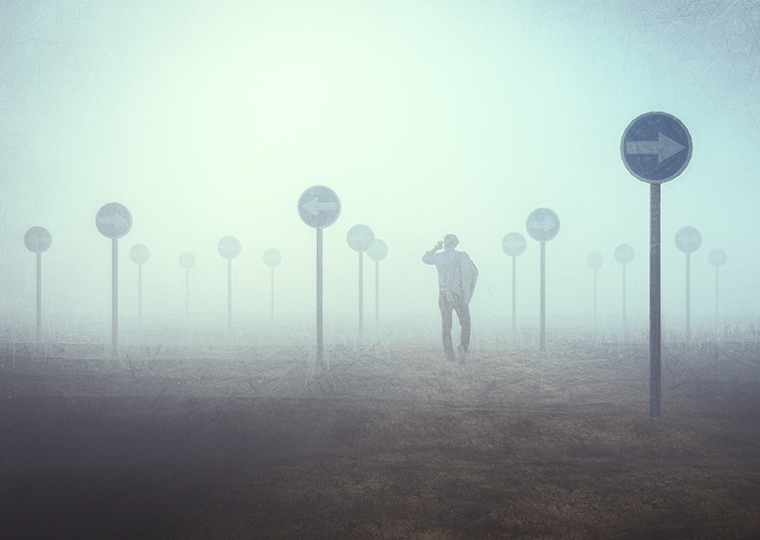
column 209, row 119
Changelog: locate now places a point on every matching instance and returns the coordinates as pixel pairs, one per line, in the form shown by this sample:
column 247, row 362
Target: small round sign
column 378, row 250
column 272, row 257
column 514, row 244
column 656, row 147
column 688, row 239
column 717, row 257
column 360, row 237
column 229, row 247
column 319, row 207
column 624, row 253
column 187, row 260
column 542, row 224
column 38, row 239
column 113, row 220
column 139, row 254
column 595, row 260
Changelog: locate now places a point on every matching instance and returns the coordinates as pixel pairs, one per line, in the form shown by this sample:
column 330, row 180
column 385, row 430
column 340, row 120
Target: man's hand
column 438, row 246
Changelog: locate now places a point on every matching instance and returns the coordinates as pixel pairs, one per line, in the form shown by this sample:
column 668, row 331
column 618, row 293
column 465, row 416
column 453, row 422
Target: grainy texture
column 387, row 442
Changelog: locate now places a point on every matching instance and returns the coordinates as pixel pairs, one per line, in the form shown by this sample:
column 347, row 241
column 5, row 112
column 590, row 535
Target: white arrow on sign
column 664, row 147
column 315, row 207
column 117, row 220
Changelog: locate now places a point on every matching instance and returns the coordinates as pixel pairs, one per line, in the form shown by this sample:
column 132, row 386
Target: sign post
column 655, row 148
column 38, row 240
column 514, row 245
column 360, row 238
column 624, row 255
column 272, row 258
column 187, row 261
column 113, row 221
column 139, row 255
column 229, row 248
column 595, row 262
column 319, row 207
column 717, row 258
column 688, row 241
column 543, row 225
column 377, row 252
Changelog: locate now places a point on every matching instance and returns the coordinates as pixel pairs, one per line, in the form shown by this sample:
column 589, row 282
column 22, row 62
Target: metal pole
column 187, row 293
column 514, row 295
column 624, row 322
column 320, row 346
column 654, row 302
column 114, row 296
column 139, row 294
column 716, row 300
column 361, row 294
column 229, row 295
column 39, row 296
column 377, row 294
column 272, row 299
column 688, row 294
column 595, row 312
column 543, row 296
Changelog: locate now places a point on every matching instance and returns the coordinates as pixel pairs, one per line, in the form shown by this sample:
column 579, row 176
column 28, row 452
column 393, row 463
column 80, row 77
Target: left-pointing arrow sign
column 664, row 147
column 314, row 207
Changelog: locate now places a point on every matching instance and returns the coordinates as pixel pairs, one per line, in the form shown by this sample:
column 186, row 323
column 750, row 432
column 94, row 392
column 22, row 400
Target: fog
column 209, row 119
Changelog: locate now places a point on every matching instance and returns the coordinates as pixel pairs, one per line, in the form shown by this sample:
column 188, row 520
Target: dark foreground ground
column 163, row 464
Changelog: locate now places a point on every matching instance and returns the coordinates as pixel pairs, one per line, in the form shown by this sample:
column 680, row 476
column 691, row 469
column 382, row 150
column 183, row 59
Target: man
column 456, row 282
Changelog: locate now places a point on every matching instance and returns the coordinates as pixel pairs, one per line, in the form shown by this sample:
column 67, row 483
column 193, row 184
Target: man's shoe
column 461, row 355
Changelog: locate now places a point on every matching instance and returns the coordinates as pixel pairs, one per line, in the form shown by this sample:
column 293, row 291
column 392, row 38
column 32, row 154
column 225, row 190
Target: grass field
column 245, row 439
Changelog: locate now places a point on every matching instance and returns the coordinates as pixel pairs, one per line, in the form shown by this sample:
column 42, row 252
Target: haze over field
column 209, row 119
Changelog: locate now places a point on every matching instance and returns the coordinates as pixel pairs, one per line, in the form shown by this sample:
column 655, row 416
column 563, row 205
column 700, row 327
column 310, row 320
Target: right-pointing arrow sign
column 664, row 147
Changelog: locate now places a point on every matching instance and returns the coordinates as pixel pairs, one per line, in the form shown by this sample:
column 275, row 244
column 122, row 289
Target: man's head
column 450, row 241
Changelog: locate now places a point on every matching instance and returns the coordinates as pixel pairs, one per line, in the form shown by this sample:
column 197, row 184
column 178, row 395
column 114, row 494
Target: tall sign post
column 688, row 241
column 514, row 245
column 187, row 261
column 542, row 225
column 272, row 258
column 655, row 148
column 114, row 221
column 38, row 240
column 717, row 258
column 377, row 252
column 360, row 238
column 319, row 207
column 229, row 248
column 595, row 262
column 624, row 255
column 139, row 255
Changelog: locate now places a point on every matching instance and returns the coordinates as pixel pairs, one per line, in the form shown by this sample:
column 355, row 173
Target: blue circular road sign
column 187, row 260
column 229, row 247
column 717, row 257
column 113, row 220
column 38, row 239
column 360, row 237
column 378, row 250
column 514, row 244
column 272, row 257
column 319, row 207
column 688, row 239
column 139, row 254
column 542, row 224
column 656, row 147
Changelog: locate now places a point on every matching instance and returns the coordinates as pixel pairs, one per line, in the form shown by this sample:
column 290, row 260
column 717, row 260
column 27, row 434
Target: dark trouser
column 463, row 313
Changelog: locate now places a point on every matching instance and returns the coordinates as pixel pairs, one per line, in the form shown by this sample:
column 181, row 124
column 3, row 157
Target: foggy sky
column 209, row 119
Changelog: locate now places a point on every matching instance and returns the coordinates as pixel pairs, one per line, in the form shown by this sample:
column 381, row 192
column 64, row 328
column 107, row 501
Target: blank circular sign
column 514, row 244
column 542, row 224
column 595, row 260
column 688, row 240
column 187, row 260
column 272, row 257
column 624, row 253
column 38, row 239
column 378, row 250
column 229, row 247
column 717, row 257
column 139, row 254
column 360, row 237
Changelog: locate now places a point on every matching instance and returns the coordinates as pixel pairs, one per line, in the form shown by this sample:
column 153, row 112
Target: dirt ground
column 386, row 442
